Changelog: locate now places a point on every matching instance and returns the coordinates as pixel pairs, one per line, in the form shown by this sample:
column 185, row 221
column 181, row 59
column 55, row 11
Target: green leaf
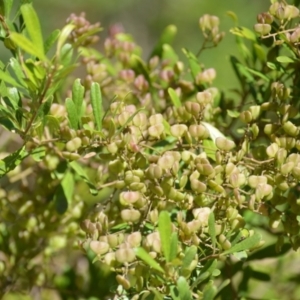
column 60, row 200
column 233, row 16
column 5, row 7
column 80, row 171
column 157, row 294
column 269, row 252
column 72, row 113
column 169, row 55
column 7, row 78
column 189, row 256
column 243, row 32
column 284, row 59
column 165, row 231
column 209, row 291
column 193, row 63
column 51, row 40
column 33, row 27
column 184, row 289
column 223, row 285
column 174, row 97
column 212, row 229
column 11, row 161
column 246, row 244
column 173, row 245
column 96, row 101
column 67, row 185
column 38, row 153
column 77, row 97
column 139, row 66
column 143, row 255
column 233, row 113
column 64, row 34
column 166, row 37
column 24, row 43
column 15, row 65
column 214, row 133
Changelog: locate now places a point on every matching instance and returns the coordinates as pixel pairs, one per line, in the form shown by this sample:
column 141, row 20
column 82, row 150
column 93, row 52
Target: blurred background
column 146, row 19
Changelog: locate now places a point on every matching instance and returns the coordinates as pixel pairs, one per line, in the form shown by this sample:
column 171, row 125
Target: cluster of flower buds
column 210, row 28
column 83, row 33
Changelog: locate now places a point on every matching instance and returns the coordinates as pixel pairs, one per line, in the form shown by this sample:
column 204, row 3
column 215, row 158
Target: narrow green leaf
column 11, row 161
column 284, row 59
column 7, row 78
column 80, row 171
column 246, row 244
column 15, row 65
column 223, row 285
column 67, row 185
column 96, row 101
column 166, row 37
column 143, row 255
column 157, row 294
column 212, row 229
column 51, row 40
column 243, row 32
column 33, row 27
column 173, row 245
column 210, row 291
column 139, row 66
column 233, row 113
column 38, row 153
column 60, row 200
column 258, row 74
column 165, row 231
column 189, row 256
column 169, row 54
column 193, row 63
column 184, row 289
column 174, row 97
column 28, row 46
column 77, row 96
column 64, row 34
column 72, row 113
column 5, row 7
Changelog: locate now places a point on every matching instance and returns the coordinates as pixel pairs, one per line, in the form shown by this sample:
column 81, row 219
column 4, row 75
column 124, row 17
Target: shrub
column 185, row 179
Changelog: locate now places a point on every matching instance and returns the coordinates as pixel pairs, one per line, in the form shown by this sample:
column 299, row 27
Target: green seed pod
column 123, row 281
column 74, row 144
column 198, row 186
column 295, row 36
column 130, row 178
column 265, row 18
column 204, row 98
column 224, row 144
column 178, row 130
column 290, row 129
column 255, row 111
column 296, row 172
column 205, row 169
column 110, row 259
column 134, row 239
column 140, row 120
column 198, row 131
column 129, row 198
column 254, row 181
column 270, row 129
column 255, row 130
column 272, row 150
column 216, row 187
column 156, row 119
column 57, row 110
column 192, row 108
column 137, row 186
column 246, row 116
column 130, row 215
column 281, row 156
column 291, row 12
column 99, row 248
column 281, row 183
column 262, row 29
column 183, row 181
column 112, row 148
column 125, row 255
column 286, row 142
column 166, row 161
column 156, row 131
column 287, row 168
column 225, row 244
column 154, row 171
column 116, row 166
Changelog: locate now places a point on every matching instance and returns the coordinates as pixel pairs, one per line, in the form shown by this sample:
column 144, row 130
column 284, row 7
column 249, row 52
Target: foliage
column 186, row 180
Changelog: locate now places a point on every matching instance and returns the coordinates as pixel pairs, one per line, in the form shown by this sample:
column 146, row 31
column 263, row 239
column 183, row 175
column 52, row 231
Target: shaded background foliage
column 145, row 20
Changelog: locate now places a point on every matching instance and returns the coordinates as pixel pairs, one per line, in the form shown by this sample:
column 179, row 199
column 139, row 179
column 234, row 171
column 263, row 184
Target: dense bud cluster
column 175, row 164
